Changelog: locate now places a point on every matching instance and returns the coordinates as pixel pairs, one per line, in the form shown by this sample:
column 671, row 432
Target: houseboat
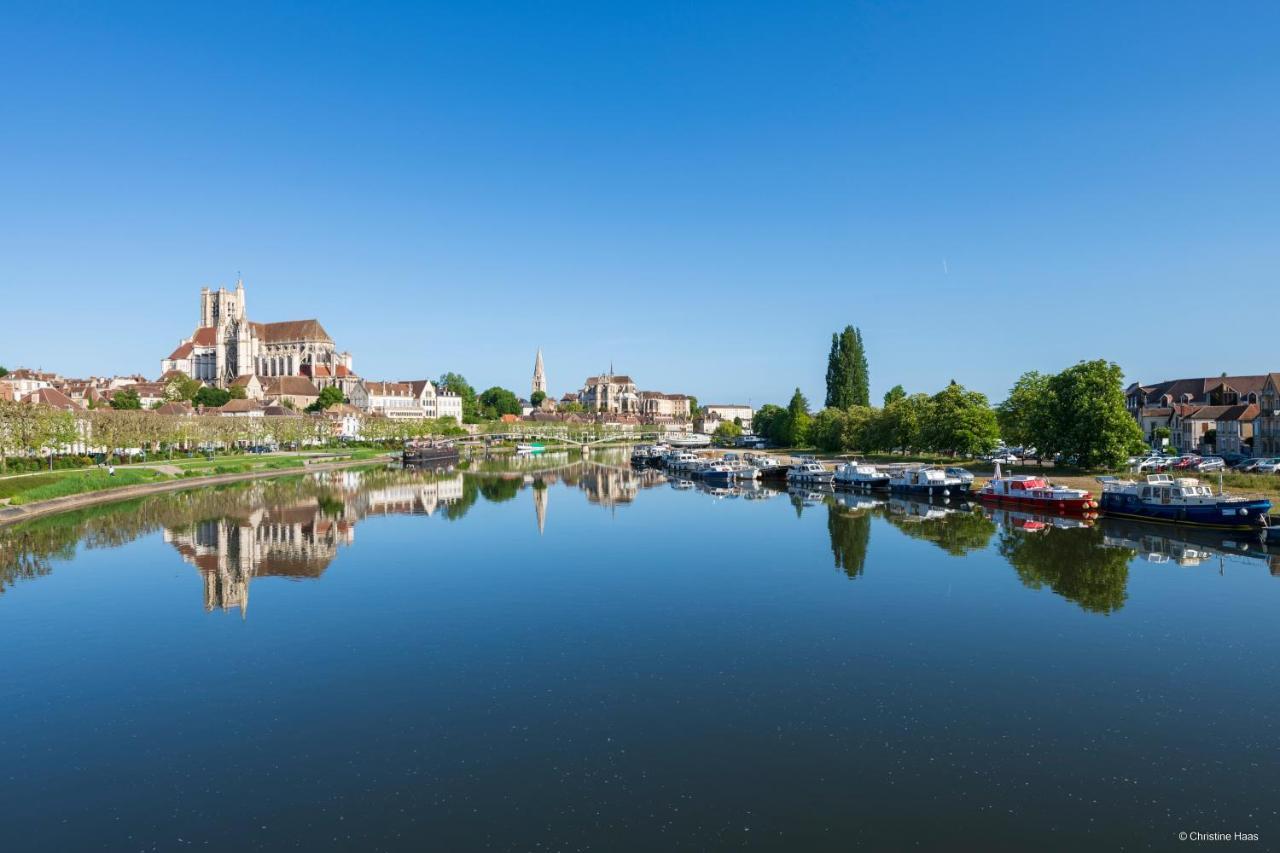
column 430, row 454
column 861, row 475
column 934, row 482
column 809, row 470
column 769, row 467
column 1182, row 501
column 1036, row 493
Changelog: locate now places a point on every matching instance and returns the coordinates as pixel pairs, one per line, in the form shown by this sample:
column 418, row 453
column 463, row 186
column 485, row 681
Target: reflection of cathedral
column 297, row 541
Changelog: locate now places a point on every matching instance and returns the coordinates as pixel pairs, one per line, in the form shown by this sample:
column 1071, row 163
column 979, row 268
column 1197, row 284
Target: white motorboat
column 861, row 475
column 809, row 470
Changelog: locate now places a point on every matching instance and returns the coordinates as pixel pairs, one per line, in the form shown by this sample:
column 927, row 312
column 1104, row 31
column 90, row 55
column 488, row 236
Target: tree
column 211, row 397
column 1027, row 412
column 181, row 387
column 960, row 421
column 536, row 398
column 237, row 392
column 572, row 407
column 1161, row 434
column 771, row 422
column 694, row 408
column 1090, row 425
column 894, row 394
column 833, row 372
column 496, row 402
column 330, row 395
column 727, row 431
column 828, row 428
column 459, row 385
column 126, row 398
column 4, row 371
column 847, row 379
column 798, row 420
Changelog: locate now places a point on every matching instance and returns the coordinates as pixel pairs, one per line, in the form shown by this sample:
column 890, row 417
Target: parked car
column 1268, row 466
column 1247, row 465
column 964, row 475
column 1152, row 465
column 1186, row 463
column 1005, row 458
column 1211, row 463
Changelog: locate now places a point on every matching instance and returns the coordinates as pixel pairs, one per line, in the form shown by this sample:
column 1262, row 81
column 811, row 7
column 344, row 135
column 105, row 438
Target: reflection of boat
column 858, row 502
column 1182, row 501
column 808, row 496
column 920, row 510
column 1035, row 493
column 809, row 470
column 930, row 481
column 1013, row 519
column 861, row 475
column 1159, row 543
column 430, row 454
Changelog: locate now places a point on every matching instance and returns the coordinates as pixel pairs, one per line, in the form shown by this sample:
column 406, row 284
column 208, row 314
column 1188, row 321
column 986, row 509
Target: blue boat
column 1182, row 501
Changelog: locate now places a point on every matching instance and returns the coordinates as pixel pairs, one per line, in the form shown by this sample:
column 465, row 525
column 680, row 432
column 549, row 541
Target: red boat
column 1036, row 493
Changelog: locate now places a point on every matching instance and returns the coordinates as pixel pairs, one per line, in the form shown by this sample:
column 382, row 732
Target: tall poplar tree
column 833, row 373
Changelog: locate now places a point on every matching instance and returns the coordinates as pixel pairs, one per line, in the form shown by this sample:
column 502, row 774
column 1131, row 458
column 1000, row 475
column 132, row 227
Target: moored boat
column 430, row 454
column 926, row 481
column 1032, row 492
column 809, row 470
column 861, row 475
column 1182, row 501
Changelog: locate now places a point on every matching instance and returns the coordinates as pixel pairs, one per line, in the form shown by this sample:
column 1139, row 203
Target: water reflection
column 295, row 527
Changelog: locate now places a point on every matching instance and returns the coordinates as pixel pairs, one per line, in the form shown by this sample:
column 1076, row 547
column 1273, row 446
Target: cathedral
column 227, row 345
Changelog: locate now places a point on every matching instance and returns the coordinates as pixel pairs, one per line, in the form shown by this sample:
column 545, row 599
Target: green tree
column 827, row 431
column 330, row 395
column 771, row 422
column 1160, row 435
column 237, row 392
column 1076, row 564
column 1027, row 413
column 833, row 372
column 1091, row 425
column 899, row 425
column 211, row 397
column 847, row 378
column 180, row 388
column 694, row 408
column 727, row 431
column 894, row 394
column 798, row 420
column 456, row 383
column 4, row 371
column 960, row 421
column 572, row 407
column 126, row 398
column 496, row 402
column 858, row 421
column 536, row 398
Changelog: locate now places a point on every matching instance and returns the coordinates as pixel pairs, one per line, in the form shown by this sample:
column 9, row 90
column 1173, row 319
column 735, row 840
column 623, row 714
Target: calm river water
column 573, row 655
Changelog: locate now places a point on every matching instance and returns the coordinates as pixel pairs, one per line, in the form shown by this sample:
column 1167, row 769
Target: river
column 561, row 654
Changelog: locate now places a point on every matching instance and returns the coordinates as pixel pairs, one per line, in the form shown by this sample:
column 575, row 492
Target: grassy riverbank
column 29, row 488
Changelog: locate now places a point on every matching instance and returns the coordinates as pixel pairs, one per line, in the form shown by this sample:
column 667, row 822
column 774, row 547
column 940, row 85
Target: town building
column 731, row 412
column 227, row 345
column 610, row 392
column 1266, row 428
column 418, row 398
column 658, row 407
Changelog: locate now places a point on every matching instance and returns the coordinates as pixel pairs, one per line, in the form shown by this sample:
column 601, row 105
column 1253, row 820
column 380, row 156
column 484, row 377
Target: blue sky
column 699, row 193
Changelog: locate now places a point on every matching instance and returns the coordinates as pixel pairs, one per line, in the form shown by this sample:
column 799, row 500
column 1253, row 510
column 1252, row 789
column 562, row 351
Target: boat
column 768, row 467
column 527, row 449
column 429, row 454
column 809, row 470
column 861, row 475
column 1182, row 501
column 927, row 481
column 1037, row 493
column 718, row 470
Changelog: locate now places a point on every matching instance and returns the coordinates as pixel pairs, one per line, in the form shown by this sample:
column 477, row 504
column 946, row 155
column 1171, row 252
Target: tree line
column 1077, row 415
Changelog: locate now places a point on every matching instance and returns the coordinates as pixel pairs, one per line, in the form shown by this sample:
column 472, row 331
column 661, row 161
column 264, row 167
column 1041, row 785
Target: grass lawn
column 22, row 490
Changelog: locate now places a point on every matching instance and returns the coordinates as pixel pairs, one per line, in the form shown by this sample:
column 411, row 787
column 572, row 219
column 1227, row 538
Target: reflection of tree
column 459, row 508
column 499, row 489
column 957, row 533
column 1073, row 563
column 850, row 533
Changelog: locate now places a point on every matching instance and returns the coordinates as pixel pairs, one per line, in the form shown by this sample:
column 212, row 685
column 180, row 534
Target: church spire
column 539, row 374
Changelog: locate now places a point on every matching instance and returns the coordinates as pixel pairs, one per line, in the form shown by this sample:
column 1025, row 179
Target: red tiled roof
column 182, row 351
column 205, row 336
column 291, row 330
column 53, row 397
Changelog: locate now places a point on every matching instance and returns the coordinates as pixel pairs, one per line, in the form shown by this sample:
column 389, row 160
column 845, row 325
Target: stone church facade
column 227, row 345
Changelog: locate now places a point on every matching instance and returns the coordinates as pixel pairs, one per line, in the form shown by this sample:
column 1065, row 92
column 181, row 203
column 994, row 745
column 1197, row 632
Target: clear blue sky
column 699, row 193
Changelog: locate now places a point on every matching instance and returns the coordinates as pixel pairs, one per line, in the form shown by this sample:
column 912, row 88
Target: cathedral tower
column 539, row 375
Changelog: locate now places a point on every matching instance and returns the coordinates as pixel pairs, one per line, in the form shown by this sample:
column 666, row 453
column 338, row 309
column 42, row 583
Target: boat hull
column 878, row 484
column 1073, row 505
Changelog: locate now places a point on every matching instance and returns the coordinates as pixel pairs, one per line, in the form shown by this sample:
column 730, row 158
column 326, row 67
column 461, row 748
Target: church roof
column 205, row 336
column 182, row 351
column 295, row 386
column 291, row 330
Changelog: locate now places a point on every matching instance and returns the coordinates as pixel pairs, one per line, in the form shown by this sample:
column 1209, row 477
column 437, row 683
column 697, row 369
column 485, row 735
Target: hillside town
column 290, row 379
